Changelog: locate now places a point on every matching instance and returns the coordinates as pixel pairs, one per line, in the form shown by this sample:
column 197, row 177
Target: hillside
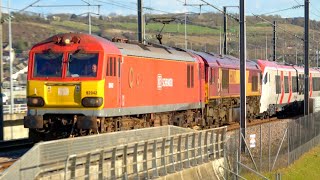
column 203, row 33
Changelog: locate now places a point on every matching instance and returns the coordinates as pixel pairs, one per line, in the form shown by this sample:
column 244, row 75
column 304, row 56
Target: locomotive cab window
column 82, row 65
column 47, row 65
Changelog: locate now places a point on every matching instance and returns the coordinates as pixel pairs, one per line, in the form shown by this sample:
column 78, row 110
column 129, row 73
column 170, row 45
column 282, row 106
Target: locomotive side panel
column 153, row 84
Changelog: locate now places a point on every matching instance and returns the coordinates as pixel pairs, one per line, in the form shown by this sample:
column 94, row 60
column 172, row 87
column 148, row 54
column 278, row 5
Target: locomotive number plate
column 63, row 91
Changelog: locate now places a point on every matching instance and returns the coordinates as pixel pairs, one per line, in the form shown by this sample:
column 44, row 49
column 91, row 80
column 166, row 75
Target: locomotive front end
column 65, row 87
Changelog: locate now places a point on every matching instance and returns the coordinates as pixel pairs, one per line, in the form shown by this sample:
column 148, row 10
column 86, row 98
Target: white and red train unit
column 138, row 85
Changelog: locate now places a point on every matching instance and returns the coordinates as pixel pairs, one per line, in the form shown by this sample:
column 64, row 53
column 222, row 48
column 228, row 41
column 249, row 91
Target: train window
column 316, row 84
column 108, row 69
column 192, row 76
column 294, row 84
column 301, row 84
column 265, row 79
column 286, row 84
column 225, row 79
column 188, row 76
column 88, row 63
column 47, row 65
column 119, row 63
column 278, row 85
column 212, row 76
column 112, row 67
column 254, row 83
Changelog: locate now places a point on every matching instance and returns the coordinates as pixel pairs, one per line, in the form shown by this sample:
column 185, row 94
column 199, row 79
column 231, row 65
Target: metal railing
column 274, row 145
column 141, row 153
column 18, row 108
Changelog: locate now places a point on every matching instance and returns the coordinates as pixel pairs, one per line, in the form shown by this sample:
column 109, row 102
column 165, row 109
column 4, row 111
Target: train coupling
column 33, row 122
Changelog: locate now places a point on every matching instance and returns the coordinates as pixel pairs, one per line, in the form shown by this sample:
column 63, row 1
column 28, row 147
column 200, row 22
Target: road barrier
column 142, row 153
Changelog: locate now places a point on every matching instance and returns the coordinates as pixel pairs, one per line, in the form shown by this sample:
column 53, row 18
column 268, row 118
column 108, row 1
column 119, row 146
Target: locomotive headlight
column 92, row 101
column 67, row 41
column 35, row 101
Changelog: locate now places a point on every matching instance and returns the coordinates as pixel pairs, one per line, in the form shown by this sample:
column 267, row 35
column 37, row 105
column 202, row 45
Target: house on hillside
column 6, row 52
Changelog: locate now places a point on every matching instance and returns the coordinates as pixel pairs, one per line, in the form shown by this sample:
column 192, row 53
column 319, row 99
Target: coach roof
column 226, row 61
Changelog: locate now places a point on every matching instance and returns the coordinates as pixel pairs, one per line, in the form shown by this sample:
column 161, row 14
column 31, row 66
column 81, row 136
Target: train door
column 112, row 83
column 301, row 84
column 213, row 83
column 225, row 81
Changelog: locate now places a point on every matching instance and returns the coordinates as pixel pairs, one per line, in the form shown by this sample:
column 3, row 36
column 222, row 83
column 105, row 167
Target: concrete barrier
column 206, row 171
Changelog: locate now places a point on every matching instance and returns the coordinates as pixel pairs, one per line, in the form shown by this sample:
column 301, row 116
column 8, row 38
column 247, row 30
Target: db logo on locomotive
column 164, row 82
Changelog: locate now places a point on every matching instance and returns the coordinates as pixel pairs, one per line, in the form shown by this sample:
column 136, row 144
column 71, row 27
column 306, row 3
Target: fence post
column 163, row 156
column 269, row 156
column 66, row 167
column 200, row 160
column 124, row 160
column 171, row 159
column 206, row 153
column 87, row 167
column 135, row 159
column 193, row 149
column 154, row 159
column 179, row 153
column 101, row 160
column 260, row 147
column 113, row 163
column 145, row 160
column 186, row 152
column 288, row 136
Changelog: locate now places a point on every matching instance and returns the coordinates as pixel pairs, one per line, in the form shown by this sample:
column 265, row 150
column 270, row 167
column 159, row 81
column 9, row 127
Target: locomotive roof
column 149, row 51
column 215, row 60
column 86, row 42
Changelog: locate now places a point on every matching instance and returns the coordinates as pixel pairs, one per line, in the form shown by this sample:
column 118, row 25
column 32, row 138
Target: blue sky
column 125, row 7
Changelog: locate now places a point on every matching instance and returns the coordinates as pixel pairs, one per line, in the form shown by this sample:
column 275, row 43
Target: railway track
column 234, row 126
column 14, row 145
column 11, row 151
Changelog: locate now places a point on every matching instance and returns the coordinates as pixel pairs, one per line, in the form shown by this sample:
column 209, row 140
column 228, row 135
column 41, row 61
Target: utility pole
column 274, row 40
column 1, row 76
column 317, row 55
column 296, row 56
column 306, row 57
column 225, row 30
column 140, row 21
column 11, row 59
column 89, row 19
column 220, row 48
column 185, row 31
column 243, row 57
column 266, row 47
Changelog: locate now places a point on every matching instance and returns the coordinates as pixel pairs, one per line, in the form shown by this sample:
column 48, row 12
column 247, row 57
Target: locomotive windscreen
column 82, row 65
column 47, row 65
